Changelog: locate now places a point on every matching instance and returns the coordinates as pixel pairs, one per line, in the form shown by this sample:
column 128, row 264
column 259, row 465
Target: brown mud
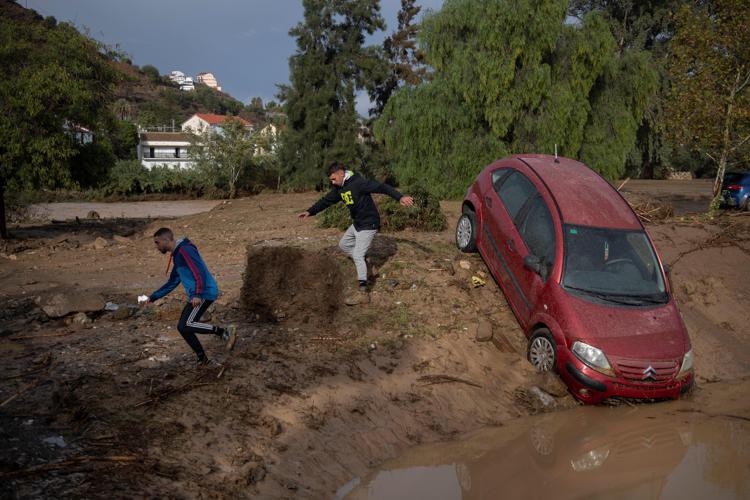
column 314, row 394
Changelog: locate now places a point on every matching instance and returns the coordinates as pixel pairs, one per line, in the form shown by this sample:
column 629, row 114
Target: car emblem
column 649, row 373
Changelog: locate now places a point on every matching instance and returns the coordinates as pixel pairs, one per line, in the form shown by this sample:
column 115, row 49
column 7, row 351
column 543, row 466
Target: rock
column 60, row 304
column 100, row 243
column 79, row 319
column 257, row 475
column 551, row 384
column 485, row 331
column 13, row 256
column 541, row 399
column 58, row 441
column 111, row 306
column 464, row 264
column 121, row 313
column 93, row 214
column 122, row 239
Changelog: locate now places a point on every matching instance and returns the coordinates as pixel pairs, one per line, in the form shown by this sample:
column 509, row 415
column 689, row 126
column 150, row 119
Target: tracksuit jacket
column 190, row 270
column 356, row 194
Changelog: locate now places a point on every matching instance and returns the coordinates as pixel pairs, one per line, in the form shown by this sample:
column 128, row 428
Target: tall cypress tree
column 330, row 65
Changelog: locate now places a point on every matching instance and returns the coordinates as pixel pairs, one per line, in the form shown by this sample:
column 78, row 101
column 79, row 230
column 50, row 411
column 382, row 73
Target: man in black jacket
column 355, row 191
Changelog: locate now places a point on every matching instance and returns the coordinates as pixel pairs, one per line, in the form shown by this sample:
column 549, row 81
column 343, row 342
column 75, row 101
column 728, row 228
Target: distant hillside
column 142, row 98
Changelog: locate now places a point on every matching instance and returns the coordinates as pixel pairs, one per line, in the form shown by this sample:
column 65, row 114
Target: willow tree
column 709, row 105
column 512, row 77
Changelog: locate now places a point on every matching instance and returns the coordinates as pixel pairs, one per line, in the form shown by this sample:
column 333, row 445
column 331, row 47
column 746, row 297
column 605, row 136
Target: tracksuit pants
column 356, row 244
column 190, row 325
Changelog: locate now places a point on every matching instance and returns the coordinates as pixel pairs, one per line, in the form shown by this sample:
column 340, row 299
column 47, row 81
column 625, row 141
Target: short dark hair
column 335, row 167
column 164, row 231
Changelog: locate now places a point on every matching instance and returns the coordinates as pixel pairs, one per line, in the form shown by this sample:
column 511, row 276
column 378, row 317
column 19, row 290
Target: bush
column 129, row 177
column 425, row 215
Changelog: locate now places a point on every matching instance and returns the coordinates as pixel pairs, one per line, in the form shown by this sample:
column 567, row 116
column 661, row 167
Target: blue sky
column 245, row 43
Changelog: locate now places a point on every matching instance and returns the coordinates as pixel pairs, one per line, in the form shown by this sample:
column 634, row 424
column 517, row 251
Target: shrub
column 425, row 215
column 129, row 177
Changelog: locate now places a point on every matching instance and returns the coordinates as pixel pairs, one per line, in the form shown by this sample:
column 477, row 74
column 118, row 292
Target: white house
column 164, row 149
column 201, row 123
column 185, row 82
column 208, row 79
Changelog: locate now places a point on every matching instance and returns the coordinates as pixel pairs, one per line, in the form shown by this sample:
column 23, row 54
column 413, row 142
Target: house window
column 151, row 152
column 176, row 152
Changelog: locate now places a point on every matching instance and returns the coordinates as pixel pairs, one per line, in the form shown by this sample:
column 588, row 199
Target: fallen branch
column 445, row 379
column 20, row 391
column 67, row 463
column 32, row 337
column 190, row 385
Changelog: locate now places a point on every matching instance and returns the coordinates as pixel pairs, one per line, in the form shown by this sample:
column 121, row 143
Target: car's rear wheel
column 542, row 351
column 466, row 232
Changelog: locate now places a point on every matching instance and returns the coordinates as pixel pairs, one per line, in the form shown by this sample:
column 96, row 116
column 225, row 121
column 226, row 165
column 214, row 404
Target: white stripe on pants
column 356, row 244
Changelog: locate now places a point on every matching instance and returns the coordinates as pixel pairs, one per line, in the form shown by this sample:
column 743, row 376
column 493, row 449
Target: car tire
column 466, row 232
column 542, row 351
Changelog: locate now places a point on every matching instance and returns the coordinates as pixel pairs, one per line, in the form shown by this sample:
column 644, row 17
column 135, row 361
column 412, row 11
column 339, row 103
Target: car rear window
column 514, row 191
column 734, row 178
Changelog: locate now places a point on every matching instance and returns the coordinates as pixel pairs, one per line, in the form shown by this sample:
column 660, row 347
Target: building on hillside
column 170, row 149
column 208, row 79
column 268, row 141
column 200, row 123
column 185, row 82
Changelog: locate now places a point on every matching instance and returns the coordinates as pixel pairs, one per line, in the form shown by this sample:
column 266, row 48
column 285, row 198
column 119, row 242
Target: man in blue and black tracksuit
column 356, row 193
column 190, row 270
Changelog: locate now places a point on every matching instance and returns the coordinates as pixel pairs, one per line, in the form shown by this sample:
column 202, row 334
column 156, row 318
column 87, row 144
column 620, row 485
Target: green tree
column 514, row 77
column 404, row 57
column 223, row 155
column 709, row 103
column 256, row 105
column 54, row 81
column 331, row 63
column 151, row 72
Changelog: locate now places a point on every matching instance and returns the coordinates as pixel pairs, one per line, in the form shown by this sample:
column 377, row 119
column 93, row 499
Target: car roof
column 584, row 197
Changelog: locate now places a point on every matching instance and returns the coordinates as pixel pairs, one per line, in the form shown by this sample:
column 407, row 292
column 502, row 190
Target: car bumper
column 733, row 199
column 592, row 387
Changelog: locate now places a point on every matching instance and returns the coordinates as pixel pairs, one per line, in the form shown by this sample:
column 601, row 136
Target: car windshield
column 612, row 265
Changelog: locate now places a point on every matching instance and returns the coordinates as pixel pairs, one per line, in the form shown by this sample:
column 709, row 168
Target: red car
column 582, row 277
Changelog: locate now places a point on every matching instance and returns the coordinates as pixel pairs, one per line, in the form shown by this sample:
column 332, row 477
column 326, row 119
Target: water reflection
column 617, row 453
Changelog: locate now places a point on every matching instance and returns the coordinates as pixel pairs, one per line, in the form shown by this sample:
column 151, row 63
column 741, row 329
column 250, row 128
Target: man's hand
column 406, row 201
column 304, row 215
column 195, row 301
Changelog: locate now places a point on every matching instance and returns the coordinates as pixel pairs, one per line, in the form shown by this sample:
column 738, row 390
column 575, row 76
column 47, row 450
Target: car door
column 537, row 231
column 506, row 198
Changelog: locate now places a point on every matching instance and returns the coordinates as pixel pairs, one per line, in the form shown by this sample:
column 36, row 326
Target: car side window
column 537, row 230
column 498, row 176
column 514, row 191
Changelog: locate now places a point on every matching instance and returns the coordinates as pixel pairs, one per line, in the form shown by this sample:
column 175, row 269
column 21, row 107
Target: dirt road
column 314, row 394
column 124, row 210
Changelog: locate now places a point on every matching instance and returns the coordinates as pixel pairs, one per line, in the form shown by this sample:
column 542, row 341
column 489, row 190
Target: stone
column 60, row 304
column 122, row 239
column 485, row 331
column 540, row 399
column 100, row 243
column 80, row 319
column 464, row 264
column 93, row 214
column 551, row 384
column 121, row 314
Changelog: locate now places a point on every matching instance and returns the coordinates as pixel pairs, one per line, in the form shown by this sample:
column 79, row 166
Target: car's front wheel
column 466, row 232
column 542, row 351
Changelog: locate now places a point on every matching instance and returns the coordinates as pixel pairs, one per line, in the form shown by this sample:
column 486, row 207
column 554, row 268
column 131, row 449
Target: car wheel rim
column 463, row 232
column 542, row 354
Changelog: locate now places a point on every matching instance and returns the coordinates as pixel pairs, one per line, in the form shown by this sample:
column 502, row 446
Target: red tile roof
column 219, row 119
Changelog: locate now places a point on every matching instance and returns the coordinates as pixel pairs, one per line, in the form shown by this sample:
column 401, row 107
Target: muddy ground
column 314, row 393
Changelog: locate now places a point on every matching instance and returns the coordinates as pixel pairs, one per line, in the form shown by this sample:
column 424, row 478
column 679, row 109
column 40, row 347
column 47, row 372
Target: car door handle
column 511, row 245
column 488, row 201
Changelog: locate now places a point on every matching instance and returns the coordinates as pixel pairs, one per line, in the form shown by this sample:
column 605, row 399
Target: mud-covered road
column 308, row 402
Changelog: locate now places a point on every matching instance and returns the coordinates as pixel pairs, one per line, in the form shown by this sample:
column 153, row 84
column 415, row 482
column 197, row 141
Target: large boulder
column 61, row 304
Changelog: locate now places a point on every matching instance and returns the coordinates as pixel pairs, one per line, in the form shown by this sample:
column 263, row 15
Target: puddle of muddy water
column 639, row 452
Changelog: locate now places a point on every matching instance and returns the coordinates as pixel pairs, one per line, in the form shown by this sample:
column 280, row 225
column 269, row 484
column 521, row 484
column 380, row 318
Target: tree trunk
column 725, row 139
column 3, row 226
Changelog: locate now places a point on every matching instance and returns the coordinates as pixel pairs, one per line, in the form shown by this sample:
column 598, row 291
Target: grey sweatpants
column 356, row 244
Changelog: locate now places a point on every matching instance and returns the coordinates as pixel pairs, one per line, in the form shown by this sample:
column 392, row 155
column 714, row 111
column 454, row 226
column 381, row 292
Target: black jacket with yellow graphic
column 356, row 194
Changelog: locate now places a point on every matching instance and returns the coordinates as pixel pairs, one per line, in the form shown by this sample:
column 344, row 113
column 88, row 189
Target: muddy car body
column 582, row 276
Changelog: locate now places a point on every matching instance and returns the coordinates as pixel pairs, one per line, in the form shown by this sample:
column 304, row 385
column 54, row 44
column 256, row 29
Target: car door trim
column 499, row 256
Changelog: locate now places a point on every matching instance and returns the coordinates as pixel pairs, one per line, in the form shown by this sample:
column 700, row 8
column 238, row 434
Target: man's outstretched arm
column 331, row 198
column 171, row 284
column 373, row 186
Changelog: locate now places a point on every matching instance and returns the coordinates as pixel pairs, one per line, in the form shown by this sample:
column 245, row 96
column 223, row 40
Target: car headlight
column 593, row 357
column 687, row 364
column 591, row 460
